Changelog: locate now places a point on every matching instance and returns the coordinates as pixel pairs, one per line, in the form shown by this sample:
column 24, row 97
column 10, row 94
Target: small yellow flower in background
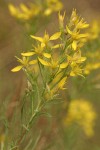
column 93, row 61
column 23, row 12
column 82, row 113
column 52, row 6
column 91, row 66
column 94, row 30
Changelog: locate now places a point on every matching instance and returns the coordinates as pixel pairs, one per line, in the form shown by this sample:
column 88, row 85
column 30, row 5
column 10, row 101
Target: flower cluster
column 57, row 61
column 94, row 31
column 52, row 6
column 46, row 7
column 23, row 12
column 82, row 113
column 93, row 62
column 92, row 48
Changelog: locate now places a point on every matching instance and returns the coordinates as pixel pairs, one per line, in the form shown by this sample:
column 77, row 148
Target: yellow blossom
column 91, row 66
column 76, row 58
column 61, row 20
column 23, row 12
column 57, row 84
column 39, row 52
column 44, row 41
column 73, row 29
column 25, row 63
column 76, row 70
column 94, row 30
column 52, row 6
column 81, row 112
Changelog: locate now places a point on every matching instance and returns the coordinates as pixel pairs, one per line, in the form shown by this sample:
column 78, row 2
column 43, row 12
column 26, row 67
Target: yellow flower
column 73, row 30
column 57, row 84
column 61, row 20
column 94, row 30
column 77, row 38
column 52, row 6
column 24, row 63
column 44, row 41
column 40, row 53
column 75, row 34
column 76, row 70
column 76, row 58
column 81, row 112
column 91, row 66
column 74, row 19
column 23, row 12
column 82, row 24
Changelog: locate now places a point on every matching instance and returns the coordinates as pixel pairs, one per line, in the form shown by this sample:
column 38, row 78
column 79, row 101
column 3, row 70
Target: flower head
column 23, row 12
column 44, row 41
column 81, row 112
column 24, row 63
column 52, row 6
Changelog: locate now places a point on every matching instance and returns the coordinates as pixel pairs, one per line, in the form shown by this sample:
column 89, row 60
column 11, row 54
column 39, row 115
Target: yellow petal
column 33, row 62
column 72, row 74
column 37, row 38
column 74, row 45
column 63, row 65
column 82, row 59
column 68, row 30
column 24, row 8
column 43, row 62
column 85, row 26
column 82, row 35
column 18, row 68
column 47, row 55
column 12, row 9
column 28, row 54
column 57, row 46
column 55, row 36
column 42, row 45
column 47, row 12
column 62, row 83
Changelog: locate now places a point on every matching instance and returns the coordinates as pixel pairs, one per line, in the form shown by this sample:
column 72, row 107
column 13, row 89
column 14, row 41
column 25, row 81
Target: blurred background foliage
column 14, row 38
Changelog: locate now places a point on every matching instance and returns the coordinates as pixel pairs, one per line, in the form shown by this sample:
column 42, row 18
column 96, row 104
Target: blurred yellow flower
column 94, row 30
column 23, row 12
column 52, row 6
column 82, row 113
column 91, row 66
column 93, row 61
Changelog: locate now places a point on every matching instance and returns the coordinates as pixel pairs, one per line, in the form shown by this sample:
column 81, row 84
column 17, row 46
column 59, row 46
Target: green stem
column 38, row 109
